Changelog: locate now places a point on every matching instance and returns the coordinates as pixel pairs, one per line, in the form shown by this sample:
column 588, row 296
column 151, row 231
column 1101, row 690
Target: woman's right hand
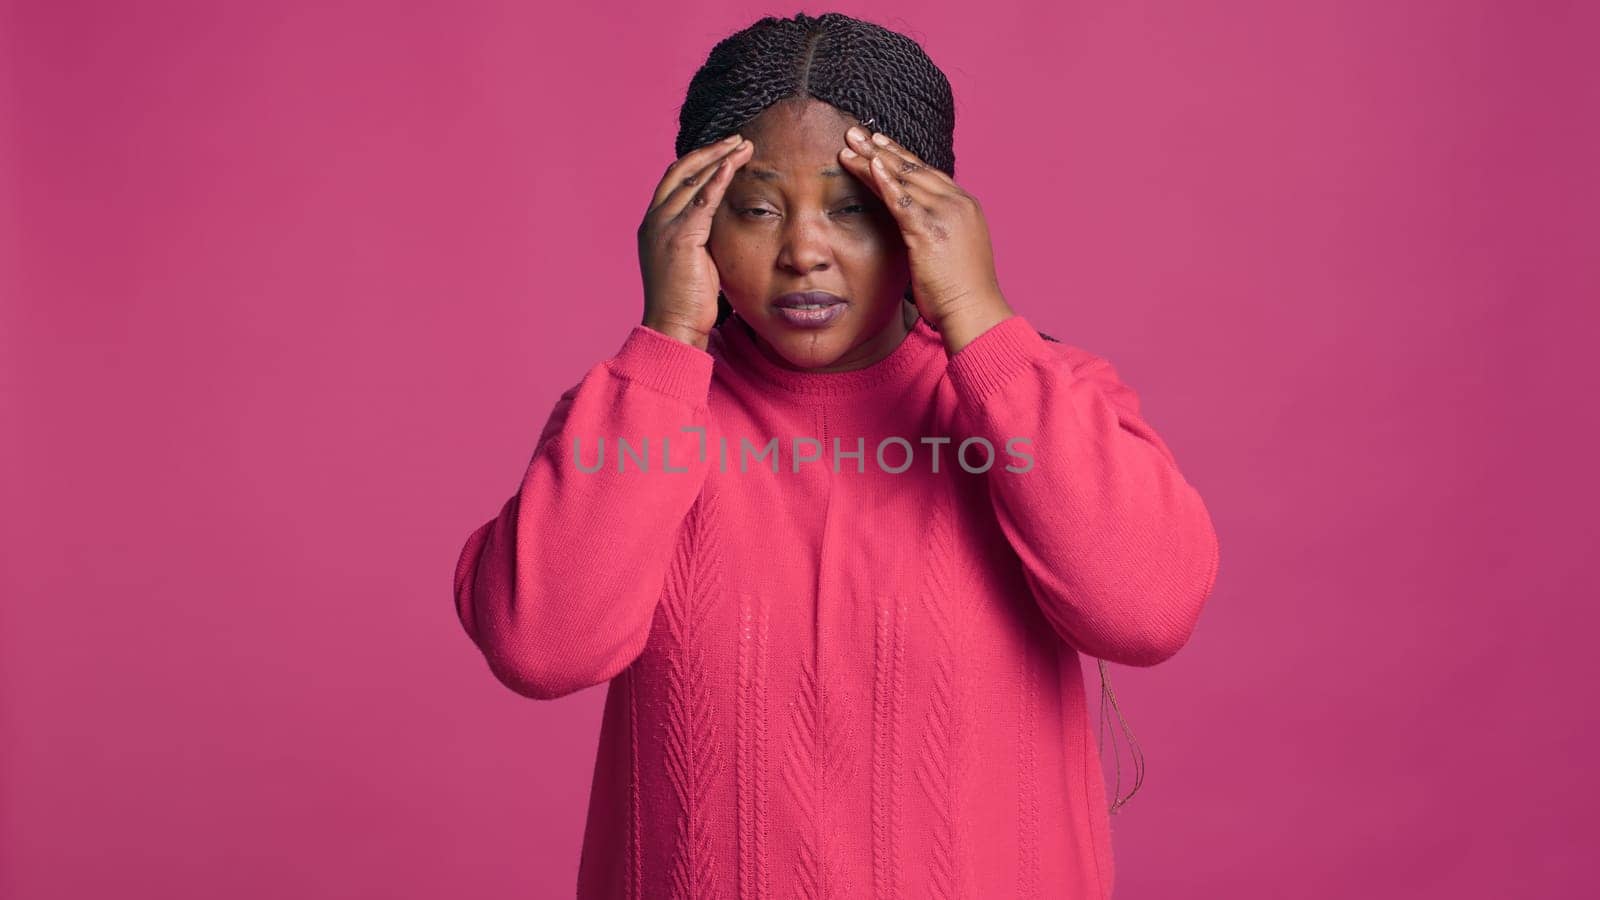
column 680, row 280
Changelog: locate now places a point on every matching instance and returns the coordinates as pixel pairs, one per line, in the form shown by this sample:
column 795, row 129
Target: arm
column 558, row 591
column 1117, row 547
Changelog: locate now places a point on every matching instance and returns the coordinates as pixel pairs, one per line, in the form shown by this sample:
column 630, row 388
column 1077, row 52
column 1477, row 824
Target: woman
column 858, row 521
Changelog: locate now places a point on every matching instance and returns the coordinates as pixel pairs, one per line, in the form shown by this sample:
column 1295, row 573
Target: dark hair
column 882, row 78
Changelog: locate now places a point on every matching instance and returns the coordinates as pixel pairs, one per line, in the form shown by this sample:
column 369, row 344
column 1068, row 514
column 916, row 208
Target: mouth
column 809, row 309
column 807, row 300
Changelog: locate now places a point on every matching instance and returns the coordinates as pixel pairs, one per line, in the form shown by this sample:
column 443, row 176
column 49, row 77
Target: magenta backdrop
column 290, row 289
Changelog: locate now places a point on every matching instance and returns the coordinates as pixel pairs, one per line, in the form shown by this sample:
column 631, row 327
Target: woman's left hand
column 947, row 239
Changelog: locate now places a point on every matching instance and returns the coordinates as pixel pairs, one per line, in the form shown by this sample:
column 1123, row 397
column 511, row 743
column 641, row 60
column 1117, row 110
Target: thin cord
column 1109, row 696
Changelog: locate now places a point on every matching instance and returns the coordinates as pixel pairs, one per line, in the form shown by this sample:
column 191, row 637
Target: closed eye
column 851, row 209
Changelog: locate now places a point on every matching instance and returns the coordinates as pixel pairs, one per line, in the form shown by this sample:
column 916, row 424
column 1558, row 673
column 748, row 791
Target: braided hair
column 887, row 82
column 882, row 78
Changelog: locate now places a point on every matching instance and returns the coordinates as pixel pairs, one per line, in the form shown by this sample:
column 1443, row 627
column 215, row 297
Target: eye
column 757, row 212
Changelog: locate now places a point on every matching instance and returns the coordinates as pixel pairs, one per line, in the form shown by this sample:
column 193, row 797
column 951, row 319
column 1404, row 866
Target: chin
column 810, row 349
column 818, row 347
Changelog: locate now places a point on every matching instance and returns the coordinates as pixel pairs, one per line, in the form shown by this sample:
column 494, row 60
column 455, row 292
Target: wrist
column 964, row 325
column 677, row 332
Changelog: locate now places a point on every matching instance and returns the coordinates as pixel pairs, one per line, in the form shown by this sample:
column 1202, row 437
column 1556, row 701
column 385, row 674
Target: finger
column 908, row 171
column 893, row 182
column 896, row 190
column 694, row 160
column 679, row 187
column 879, row 139
column 690, row 190
column 901, row 162
column 888, row 143
column 703, row 205
column 894, row 194
column 858, row 165
column 697, row 162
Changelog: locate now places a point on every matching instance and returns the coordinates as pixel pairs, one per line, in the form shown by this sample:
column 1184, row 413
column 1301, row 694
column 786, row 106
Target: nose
column 805, row 246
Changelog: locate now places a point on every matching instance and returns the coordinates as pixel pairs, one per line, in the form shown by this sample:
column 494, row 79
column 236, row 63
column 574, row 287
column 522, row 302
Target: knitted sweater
column 842, row 652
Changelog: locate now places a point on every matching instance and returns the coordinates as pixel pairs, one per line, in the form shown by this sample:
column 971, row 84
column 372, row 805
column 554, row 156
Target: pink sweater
column 840, row 679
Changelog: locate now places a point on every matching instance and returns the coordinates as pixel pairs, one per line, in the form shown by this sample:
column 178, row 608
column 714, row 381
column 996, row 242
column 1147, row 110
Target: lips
column 807, row 298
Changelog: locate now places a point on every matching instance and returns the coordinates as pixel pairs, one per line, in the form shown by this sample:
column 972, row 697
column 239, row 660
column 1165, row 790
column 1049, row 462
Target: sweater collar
column 921, row 346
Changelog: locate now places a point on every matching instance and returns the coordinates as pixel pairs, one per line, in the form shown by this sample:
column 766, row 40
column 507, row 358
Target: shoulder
column 1093, row 368
column 1078, row 360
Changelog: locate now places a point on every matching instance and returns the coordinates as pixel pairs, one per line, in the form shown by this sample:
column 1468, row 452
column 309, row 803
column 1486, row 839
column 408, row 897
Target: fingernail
column 881, row 139
column 733, row 139
column 848, row 153
column 856, row 134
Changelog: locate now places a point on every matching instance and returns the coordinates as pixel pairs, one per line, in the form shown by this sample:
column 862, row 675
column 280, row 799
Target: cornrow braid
column 882, row 78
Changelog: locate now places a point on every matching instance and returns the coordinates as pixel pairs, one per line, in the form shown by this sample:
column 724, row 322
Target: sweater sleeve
column 1117, row 547
column 558, row 591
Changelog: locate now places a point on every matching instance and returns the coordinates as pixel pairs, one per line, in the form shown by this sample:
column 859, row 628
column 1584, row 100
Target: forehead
column 796, row 141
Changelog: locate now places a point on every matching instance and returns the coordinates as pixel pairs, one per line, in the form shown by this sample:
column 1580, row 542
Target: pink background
column 290, row 289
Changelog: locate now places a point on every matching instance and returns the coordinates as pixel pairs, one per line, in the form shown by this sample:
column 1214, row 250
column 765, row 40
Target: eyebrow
column 763, row 174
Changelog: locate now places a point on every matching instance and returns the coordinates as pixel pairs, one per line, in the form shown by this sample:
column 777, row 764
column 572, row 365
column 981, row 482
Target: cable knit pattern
column 693, row 746
column 841, row 681
column 634, row 877
column 820, row 762
column 941, row 767
column 752, row 774
column 888, row 690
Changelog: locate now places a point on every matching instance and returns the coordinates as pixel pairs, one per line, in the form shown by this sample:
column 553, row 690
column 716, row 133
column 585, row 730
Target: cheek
column 716, row 241
column 734, row 257
column 869, row 243
column 737, row 250
column 876, row 246
column 721, row 245
column 886, row 232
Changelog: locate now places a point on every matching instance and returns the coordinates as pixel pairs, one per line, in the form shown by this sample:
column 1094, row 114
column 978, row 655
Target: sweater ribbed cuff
column 664, row 363
column 993, row 358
